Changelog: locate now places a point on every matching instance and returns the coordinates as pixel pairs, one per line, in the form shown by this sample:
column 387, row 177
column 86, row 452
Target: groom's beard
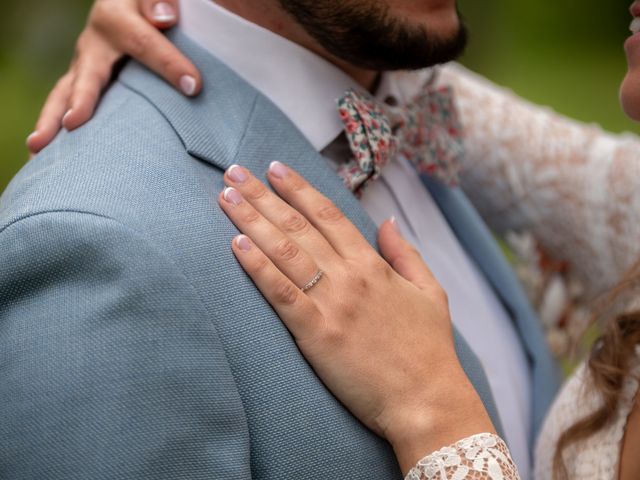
column 364, row 34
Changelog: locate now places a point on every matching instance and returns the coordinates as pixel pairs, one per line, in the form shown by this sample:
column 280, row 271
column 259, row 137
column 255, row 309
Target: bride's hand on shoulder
column 376, row 329
column 115, row 28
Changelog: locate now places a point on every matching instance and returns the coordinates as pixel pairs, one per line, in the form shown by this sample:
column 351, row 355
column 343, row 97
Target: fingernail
column 278, row 170
column 66, row 115
column 163, row 12
column 243, row 243
column 394, row 224
column 237, row 174
column 188, row 85
column 31, row 136
column 232, row 196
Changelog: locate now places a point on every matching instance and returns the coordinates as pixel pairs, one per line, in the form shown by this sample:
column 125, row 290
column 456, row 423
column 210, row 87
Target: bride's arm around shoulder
column 572, row 185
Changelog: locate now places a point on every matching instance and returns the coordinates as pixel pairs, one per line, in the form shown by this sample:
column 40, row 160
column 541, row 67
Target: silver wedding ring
column 313, row 282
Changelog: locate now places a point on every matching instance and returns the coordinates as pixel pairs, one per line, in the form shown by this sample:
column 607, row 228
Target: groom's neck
column 270, row 15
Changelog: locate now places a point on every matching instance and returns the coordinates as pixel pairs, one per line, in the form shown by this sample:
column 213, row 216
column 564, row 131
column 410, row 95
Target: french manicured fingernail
column 232, row 196
column 163, row 12
column 278, row 170
column 237, row 174
column 31, row 136
column 66, row 116
column 188, row 85
column 243, row 243
column 394, row 224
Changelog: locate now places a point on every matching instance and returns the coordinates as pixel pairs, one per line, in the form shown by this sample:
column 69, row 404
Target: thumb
column 403, row 257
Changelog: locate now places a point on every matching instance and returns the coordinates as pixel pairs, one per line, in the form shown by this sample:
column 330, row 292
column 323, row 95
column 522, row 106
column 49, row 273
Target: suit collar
column 480, row 244
column 230, row 122
column 209, row 125
column 302, row 84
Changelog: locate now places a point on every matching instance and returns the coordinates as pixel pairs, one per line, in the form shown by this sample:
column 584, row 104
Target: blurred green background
column 563, row 53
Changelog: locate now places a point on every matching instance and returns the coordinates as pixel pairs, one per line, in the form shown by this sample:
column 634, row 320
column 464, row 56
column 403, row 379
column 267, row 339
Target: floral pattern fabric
column 427, row 131
column 563, row 194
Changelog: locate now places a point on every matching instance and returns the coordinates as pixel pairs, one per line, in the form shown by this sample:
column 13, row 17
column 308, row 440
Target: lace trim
column 570, row 186
column 482, row 456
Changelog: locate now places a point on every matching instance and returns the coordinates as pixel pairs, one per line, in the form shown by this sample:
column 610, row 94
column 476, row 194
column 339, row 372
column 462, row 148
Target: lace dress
column 564, row 194
column 597, row 457
column 573, row 186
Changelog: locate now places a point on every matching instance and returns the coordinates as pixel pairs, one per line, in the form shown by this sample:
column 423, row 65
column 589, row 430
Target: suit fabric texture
column 132, row 344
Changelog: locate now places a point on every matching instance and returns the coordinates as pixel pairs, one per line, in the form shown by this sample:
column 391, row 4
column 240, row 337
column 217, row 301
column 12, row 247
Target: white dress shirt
column 305, row 87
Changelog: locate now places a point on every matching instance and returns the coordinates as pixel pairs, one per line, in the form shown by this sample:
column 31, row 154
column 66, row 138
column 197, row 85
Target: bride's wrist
column 425, row 425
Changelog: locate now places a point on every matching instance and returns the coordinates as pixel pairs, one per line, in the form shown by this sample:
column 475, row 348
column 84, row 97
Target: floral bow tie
column 427, row 132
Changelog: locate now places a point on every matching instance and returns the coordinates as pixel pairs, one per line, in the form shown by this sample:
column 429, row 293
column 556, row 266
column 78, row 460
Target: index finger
column 134, row 36
column 323, row 214
column 50, row 121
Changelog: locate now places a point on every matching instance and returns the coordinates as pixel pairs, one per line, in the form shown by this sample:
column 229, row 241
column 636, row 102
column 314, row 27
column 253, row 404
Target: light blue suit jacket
column 132, row 344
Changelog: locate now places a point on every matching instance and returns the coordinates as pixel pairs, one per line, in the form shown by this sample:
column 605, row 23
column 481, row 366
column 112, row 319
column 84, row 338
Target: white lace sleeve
column 571, row 186
column 483, row 456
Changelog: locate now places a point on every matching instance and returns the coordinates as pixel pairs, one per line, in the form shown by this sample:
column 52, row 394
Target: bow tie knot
column 427, row 132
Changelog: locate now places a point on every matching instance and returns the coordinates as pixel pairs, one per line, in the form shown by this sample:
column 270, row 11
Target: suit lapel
column 480, row 244
column 300, row 155
column 231, row 123
column 252, row 131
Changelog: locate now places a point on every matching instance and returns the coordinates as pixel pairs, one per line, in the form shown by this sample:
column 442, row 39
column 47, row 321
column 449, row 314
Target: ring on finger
column 313, row 282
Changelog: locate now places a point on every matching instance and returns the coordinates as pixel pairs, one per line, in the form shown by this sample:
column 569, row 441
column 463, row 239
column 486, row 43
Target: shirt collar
column 299, row 82
column 303, row 85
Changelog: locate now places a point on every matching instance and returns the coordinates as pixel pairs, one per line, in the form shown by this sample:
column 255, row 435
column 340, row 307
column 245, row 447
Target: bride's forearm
column 425, row 425
column 453, row 438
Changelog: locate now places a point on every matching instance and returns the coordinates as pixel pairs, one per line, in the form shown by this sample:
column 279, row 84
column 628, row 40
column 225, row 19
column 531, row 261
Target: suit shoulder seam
column 202, row 308
column 28, row 216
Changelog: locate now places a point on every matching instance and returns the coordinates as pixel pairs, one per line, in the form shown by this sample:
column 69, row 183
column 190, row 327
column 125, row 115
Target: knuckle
column 168, row 60
column 414, row 253
column 65, row 82
column 296, row 184
column 81, row 45
column 350, row 311
column 362, row 284
column 102, row 17
column 167, row 63
column 260, row 265
column 139, row 42
column 332, row 335
column 255, row 191
column 285, row 293
column 440, row 296
column 380, row 268
column 295, row 223
column 250, row 216
column 85, row 91
column 358, row 283
column 287, row 250
column 99, row 11
column 371, row 261
column 330, row 213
